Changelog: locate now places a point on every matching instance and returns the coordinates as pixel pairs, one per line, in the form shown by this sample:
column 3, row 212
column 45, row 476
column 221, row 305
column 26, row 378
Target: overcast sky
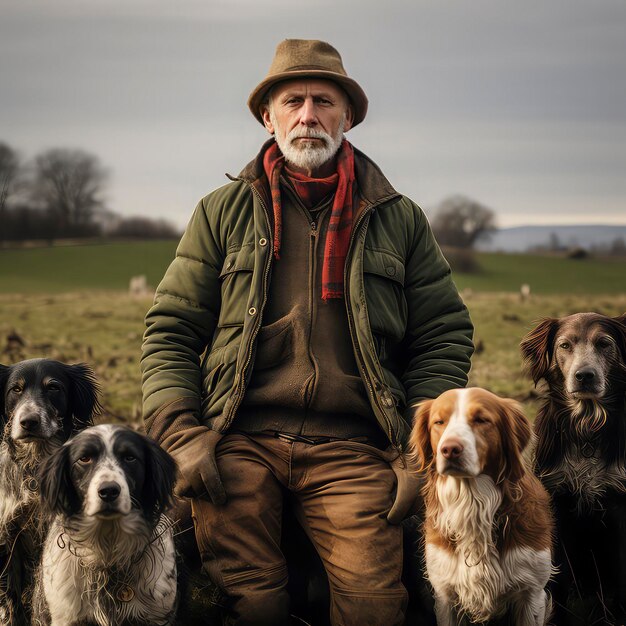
column 519, row 105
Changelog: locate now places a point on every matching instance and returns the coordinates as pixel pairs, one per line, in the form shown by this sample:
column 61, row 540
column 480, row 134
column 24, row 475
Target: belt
column 315, row 441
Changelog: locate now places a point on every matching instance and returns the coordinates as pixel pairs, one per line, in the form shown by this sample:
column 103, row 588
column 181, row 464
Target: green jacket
column 411, row 332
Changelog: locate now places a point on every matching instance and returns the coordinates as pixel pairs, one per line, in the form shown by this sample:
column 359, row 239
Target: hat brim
column 357, row 96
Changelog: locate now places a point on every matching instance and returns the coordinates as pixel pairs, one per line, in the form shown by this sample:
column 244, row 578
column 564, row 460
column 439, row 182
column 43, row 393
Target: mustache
column 308, row 133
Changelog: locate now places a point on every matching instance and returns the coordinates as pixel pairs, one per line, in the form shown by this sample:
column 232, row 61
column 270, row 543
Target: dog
column 488, row 529
column 42, row 402
column 581, row 459
column 109, row 557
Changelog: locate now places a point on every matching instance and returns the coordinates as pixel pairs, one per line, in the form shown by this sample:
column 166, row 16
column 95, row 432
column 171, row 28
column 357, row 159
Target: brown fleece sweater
column 305, row 379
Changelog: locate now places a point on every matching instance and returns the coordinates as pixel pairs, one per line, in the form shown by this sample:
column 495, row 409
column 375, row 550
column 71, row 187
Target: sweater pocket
column 383, row 277
column 236, row 280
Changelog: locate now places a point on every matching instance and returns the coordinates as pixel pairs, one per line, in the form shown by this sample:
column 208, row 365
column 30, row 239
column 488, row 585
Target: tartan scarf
column 340, row 224
column 311, row 190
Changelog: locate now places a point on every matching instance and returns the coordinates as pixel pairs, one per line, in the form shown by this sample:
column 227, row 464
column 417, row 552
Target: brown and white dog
column 488, row 524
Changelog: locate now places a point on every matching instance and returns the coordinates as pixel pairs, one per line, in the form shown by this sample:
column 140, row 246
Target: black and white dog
column 42, row 402
column 109, row 558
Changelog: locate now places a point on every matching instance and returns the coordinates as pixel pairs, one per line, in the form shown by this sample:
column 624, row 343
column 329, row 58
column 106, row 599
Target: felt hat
column 308, row 58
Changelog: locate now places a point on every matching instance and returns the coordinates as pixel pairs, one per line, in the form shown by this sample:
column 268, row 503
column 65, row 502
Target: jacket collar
column 372, row 186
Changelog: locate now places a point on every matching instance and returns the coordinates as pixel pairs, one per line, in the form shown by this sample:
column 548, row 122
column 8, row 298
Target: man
column 307, row 311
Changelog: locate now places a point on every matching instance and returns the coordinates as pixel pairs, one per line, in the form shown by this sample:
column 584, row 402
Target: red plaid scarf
column 340, row 224
column 311, row 190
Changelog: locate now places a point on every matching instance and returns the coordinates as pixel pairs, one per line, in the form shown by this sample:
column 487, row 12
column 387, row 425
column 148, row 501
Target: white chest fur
column 77, row 589
column 475, row 577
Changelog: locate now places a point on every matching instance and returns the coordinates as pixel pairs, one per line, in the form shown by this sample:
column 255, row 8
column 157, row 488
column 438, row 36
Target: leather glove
column 193, row 450
column 408, row 488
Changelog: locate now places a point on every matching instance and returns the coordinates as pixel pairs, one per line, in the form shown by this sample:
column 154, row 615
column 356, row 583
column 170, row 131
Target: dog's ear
column 420, row 435
column 83, row 397
column 537, row 347
column 55, row 484
column 515, row 435
column 160, row 478
column 4, row 377
column 620, row 328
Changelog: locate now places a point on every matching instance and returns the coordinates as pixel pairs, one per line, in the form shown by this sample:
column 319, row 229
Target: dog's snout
column 452, row 448
column 30, row 422
column 108, row 492
column 585, row 375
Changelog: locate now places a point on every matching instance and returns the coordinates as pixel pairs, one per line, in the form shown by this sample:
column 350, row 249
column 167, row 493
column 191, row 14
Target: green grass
column 545, row 274
column 104, row 328
column 60, row 269
column 111, row 265
column 71, row 303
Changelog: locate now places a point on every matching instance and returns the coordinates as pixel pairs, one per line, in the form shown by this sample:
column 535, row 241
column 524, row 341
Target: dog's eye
column 129, row 458
column 603, row 343
column 480, row 419
column 438, row 422
column 565, row 345
column 85, row 459
column 17, row 389
column 53, row 387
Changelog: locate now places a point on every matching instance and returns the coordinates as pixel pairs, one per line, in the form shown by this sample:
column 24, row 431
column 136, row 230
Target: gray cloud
column 522, row 105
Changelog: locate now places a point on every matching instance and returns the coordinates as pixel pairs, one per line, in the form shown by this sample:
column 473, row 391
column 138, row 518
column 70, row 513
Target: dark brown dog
column 581, row 459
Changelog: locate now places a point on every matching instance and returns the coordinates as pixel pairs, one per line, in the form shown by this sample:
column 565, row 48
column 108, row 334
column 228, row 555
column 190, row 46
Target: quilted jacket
column 411, row 333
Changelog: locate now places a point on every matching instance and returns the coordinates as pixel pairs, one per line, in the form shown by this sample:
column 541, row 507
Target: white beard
column 308, row 155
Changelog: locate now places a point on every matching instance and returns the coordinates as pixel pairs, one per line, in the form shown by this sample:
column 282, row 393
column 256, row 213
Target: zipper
column 313, row 236
column 355, row 344
column 238, row 393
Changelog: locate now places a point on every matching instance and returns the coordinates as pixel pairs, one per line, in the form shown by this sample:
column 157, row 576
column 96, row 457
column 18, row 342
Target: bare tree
column 9, row 169
column 460, row 222
column 69, row 184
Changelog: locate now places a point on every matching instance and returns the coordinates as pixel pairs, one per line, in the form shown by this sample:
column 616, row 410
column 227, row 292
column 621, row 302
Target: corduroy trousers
column 341, row 491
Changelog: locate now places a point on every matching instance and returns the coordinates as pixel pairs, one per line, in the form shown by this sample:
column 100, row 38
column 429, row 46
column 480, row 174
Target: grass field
column 110, row 266
column 546, row 274
column 71, row 303
column 59, row 269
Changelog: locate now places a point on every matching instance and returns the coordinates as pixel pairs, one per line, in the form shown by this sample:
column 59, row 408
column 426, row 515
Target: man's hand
column 409, row 484
column 194, row 453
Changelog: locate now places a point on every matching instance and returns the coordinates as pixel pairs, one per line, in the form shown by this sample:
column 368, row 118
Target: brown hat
column 308, row 58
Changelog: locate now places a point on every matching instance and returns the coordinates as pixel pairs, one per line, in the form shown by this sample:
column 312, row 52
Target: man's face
column 308, row 118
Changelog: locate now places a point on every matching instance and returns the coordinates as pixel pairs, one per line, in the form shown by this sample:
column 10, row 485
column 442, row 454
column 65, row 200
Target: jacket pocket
column 236, row 279
column 217, row 379
column 274, row 344
column 383, row 276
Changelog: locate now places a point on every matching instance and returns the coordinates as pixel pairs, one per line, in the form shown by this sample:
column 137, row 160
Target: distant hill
column 521, row 238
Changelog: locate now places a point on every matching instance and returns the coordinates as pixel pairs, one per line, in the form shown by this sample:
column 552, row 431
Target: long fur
column 108, row 571
column 581, row 444
column 581, row 460
column 487, row 535
column 23, row 525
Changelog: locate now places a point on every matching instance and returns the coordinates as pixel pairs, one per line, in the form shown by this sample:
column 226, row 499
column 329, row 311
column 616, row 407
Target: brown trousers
column 342, row 491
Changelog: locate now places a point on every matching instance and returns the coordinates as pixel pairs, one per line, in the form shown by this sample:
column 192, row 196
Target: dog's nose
column 452, row 448
column 585, row 374
column 30, row 422
column 109, row 492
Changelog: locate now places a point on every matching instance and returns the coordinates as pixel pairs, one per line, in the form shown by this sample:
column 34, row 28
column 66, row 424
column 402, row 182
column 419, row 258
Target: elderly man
column 307, row 311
